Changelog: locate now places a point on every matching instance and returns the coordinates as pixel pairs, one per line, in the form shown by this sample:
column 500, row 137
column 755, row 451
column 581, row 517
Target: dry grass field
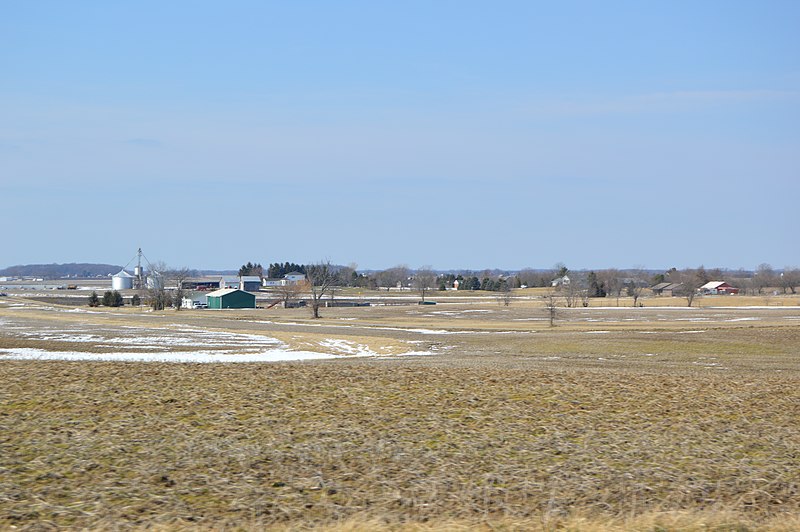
column 622, row 418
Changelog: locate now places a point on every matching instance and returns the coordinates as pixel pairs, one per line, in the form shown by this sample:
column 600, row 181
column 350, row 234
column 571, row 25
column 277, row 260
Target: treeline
column 111, row 299
column 277, row 270
column 609, row 282
column 273, row 271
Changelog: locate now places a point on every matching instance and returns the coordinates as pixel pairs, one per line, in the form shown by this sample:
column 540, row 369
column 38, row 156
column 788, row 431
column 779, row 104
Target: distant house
column 289, row 278
column 666, row 289
column 560, row 281
column 718, row 287
column 230, row 298
column 295, row 277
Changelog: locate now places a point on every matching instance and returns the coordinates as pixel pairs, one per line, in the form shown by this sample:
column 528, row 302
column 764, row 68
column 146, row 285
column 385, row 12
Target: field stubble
column 615, row 423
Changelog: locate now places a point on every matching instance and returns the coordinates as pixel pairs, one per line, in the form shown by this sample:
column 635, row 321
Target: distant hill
column 218, row 272
column 58, row 271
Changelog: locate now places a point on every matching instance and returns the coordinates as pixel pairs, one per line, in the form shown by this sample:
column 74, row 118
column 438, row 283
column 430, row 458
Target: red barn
column 718, row 287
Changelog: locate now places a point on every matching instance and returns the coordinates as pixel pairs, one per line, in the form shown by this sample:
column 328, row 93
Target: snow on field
column 456, row 313
column 169, row 344
column 273, row 355
column 346, row 347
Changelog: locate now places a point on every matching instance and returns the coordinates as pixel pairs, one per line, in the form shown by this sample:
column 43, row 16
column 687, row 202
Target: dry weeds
column 165, row 445
column 613, row 420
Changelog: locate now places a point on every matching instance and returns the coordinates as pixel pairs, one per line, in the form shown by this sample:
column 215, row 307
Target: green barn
column 231, row 298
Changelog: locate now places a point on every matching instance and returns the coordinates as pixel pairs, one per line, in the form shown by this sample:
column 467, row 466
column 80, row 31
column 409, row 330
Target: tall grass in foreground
column 395, row 445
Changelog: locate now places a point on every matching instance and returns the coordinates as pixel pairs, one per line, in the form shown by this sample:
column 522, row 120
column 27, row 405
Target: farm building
column 228, row 281
column 718, row 287
column 295, row 277
column 201, row 283
column 250, row 283
column 231, row 298
column 288, row 279
column 666, row 289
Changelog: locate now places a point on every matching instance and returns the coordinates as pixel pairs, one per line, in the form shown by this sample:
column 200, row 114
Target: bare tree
column 290, row 291
column 505, row 293
column 571, row 292
column 690, row 283
column 393, row 276
column 176, row 277
column 320, row 280
column 584, row 297
column 347, row 275
column 424, row 280
column 551, row 304
column 790, row 279
column 157, row 295
column 611, row 280
column 764, row 277
column 636, row 284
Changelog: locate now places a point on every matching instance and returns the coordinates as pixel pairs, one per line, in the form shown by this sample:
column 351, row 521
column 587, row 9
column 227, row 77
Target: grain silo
column 155, row 280
column 122, row 281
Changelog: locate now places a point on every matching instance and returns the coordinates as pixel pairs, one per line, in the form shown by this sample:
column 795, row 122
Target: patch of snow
column 347, row 347
column 273, row 355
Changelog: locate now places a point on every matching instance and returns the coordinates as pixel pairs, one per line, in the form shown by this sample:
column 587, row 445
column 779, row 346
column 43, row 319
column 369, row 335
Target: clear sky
column 455, row 134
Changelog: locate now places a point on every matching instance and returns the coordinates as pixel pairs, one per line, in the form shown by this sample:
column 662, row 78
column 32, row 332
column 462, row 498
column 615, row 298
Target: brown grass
column 648, row 425
column 313, row 444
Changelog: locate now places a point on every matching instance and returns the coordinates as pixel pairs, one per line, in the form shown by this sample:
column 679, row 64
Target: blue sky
column 456, row 134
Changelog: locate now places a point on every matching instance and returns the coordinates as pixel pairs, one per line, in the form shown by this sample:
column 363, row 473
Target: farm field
column 464, row 414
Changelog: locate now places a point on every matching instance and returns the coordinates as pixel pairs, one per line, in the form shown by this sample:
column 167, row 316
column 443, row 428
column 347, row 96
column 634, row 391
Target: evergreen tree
column 596, row 288
column 116, row 299
column 251, row 269
column 136, row 300
column 108, row 299
column 94, row 301
column 278, row 270
column 472, row 283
